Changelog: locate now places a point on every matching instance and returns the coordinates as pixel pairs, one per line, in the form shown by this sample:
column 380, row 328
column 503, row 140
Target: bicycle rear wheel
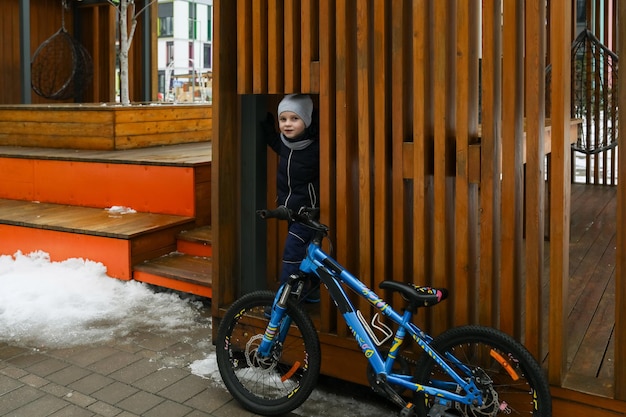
column 279, row 383
column 519, row 385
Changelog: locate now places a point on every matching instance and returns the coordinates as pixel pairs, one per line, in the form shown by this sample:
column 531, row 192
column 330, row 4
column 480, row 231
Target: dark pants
column 296, row 243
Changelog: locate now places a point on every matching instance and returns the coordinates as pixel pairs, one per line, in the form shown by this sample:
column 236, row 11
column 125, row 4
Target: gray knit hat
column 300, row 104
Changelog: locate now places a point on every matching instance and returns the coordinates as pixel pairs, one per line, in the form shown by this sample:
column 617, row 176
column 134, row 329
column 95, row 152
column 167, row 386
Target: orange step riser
column 173, row 284
column 112, row 253
column 145, row 188
column 194, row 249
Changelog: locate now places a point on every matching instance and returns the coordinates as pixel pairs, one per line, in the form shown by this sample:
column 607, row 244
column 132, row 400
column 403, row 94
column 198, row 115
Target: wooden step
column 196, row 242
column 172, row 179
column 118, row 241
column 178, row 271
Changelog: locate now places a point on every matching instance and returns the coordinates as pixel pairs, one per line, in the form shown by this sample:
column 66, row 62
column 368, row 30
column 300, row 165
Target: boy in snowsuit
column 297, row 146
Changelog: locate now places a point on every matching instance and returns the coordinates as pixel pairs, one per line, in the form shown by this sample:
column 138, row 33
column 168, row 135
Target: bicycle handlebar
column 306, row 216
column 280, row 213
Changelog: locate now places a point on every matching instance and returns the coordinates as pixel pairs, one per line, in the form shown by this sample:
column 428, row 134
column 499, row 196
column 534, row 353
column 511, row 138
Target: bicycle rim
column 519, row 385
column 277, row 384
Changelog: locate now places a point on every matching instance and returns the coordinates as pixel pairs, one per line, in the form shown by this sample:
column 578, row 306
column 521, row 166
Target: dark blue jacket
column 298, row 179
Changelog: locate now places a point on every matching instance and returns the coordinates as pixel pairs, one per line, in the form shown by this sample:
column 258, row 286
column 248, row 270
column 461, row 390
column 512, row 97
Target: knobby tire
column 519, row 382
column 276, row 385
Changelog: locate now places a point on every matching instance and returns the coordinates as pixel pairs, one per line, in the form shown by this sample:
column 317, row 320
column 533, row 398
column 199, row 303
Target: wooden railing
column 594, row 86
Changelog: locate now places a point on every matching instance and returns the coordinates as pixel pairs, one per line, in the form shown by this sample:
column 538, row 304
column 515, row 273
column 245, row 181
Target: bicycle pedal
column 408, row 410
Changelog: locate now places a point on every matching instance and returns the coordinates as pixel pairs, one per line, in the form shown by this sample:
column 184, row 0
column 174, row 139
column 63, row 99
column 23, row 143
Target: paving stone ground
column 146, row 373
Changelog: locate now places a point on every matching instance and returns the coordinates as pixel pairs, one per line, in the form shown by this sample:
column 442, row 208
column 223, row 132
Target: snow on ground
column 71, row 303
column 74, row 302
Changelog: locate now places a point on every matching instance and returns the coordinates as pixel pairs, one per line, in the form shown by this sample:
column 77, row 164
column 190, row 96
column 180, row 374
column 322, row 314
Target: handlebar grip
column 281, row 213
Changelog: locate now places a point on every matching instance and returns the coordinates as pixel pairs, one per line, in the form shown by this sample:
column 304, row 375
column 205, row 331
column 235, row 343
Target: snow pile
column 74, row 302
column 120, row 210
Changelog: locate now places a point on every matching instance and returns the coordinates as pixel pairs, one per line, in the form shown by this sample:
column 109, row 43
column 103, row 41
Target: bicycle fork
column 277, row 328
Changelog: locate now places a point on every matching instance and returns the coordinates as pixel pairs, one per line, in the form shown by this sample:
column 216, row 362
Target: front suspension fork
column 277, row 328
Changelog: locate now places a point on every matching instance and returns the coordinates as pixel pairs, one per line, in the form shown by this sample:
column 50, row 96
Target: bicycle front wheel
column 518, row 384
column 276, row 384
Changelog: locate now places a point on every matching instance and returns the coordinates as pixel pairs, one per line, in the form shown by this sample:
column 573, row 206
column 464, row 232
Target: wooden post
column 620, row 283
column 225, row 156
column 25, row 51
column 535, row 127
column 560, row 186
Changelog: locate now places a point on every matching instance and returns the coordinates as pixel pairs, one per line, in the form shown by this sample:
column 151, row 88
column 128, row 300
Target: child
column 297, row 180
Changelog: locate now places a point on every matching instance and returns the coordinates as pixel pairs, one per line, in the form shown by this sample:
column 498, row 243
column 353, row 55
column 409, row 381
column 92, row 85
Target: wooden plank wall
column 398, row 85
column 9, row 33
column 95, row 30
column 45, row 21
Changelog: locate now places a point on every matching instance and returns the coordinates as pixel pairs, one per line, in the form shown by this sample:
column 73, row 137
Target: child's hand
column 268, row 126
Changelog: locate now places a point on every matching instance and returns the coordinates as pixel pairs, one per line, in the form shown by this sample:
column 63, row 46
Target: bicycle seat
column 416, row 295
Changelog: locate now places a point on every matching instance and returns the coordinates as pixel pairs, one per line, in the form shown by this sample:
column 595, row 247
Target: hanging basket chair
column 61, row 67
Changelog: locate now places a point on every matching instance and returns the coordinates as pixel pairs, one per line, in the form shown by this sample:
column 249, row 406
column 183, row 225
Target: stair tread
column 179, row 266
column 186, row 154
column 199, row 234
column 85, row 220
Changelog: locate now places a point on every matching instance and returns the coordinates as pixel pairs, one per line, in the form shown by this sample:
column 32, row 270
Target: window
column 166, row 20
column 210, row 23
column 193, row 21
column 169, row 52
column 207, row 54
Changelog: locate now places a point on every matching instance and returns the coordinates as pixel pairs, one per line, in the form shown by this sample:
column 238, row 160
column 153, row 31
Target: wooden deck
column 591, row 304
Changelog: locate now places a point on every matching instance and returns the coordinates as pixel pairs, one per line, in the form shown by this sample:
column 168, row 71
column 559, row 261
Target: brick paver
column 144, row 374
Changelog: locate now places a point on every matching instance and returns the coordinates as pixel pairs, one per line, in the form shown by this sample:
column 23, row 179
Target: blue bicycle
column 268, row 351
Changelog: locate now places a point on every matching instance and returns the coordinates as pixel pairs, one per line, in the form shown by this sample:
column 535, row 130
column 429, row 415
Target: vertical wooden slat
column 381, row 151
column 309, row 54
column 327, row 136
column 365, row 136
column 400, row 117
column 422, row 116
column 347, row 195
column 620, row 282
column 225, row 154
column 343, row 158
column 443, row 92
column 244, row 46
column 490, row 163
column 9, row 31
column 535, row 124
column 560, row 181
column 259, row 46
column 466, row 112
column 275, row 47
column 512, row 169
column 292, row 46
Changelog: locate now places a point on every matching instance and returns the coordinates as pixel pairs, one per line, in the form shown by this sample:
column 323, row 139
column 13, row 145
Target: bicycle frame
column 332, row 274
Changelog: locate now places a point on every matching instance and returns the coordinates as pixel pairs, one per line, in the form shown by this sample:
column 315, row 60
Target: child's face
column 290, row 124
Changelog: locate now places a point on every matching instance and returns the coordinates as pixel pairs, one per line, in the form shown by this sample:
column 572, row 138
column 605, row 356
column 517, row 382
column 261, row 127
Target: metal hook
column 64, row 7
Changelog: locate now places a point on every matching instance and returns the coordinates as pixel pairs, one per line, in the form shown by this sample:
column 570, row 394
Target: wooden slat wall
column 9, row 33
column 397, row 85
column 95, row 31
column 45, row 21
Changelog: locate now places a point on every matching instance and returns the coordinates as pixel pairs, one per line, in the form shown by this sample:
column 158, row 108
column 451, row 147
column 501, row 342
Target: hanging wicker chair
column 61, row 67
